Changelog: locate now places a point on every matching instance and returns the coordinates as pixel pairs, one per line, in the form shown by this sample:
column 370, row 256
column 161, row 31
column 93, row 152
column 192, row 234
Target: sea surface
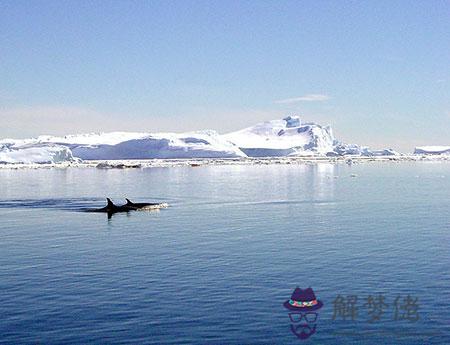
column 218, row 264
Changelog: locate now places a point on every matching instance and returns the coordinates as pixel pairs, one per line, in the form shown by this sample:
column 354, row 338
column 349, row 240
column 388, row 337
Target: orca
column 110, row 208
column 144, row 205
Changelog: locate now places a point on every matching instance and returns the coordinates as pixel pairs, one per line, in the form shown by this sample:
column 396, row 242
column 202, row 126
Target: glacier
column 287, row 137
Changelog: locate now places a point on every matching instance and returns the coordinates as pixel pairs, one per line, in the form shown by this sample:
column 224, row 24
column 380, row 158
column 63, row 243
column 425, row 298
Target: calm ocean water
column 218, row 264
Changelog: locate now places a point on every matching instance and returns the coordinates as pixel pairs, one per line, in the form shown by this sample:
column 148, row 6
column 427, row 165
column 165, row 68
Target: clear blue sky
column 378, row 71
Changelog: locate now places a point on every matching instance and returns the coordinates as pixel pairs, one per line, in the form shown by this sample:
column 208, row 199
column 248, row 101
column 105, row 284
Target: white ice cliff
column 432, row 150
column 35, row 153
column 285, row 137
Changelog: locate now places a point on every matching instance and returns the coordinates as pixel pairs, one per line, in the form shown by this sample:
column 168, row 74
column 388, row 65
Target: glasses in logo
column 297, row 317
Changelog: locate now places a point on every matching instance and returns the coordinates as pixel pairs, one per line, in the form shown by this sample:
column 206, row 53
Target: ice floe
column 432, row 150
column 29, row 153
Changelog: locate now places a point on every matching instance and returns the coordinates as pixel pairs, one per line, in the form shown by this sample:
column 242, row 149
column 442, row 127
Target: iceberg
column 341, row 149
column 29, row 154
column 205, row 144
column 379, row 153
column 120, row 145
column 432, row 150
column 282, row 138
column 287, row 137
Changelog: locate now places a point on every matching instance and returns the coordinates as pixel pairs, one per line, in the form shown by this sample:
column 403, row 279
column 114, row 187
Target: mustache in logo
column 303, row 331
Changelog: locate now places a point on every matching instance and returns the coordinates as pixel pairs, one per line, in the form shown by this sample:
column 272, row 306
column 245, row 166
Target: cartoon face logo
column 303, row 307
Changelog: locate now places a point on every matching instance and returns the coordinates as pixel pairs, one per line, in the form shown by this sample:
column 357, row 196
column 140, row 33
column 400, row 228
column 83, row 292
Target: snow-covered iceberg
column 29, row 153
column 290, row 137
column 204, row 144
column 121, row 145
column 282, row 138
column 432, row 150
column 285, row 137
column 341, row 149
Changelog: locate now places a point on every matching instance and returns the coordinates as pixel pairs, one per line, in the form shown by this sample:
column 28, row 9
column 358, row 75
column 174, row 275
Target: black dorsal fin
column 128, row 201
column 110, row 203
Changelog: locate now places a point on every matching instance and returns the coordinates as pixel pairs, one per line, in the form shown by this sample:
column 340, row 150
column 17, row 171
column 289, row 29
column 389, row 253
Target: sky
column 377, row 71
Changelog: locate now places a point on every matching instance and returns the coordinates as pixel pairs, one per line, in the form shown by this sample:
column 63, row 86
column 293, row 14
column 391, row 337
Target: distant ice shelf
column 432, row 150
column 118, row 145
column 287, row 137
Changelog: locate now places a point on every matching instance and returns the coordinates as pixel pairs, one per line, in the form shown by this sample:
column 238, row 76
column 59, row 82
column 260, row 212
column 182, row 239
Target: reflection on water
column 324, row 179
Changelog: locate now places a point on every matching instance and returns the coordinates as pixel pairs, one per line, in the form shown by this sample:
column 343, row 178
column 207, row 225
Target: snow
column 432, row 150
column 118, row 145
column 28, row 154
column 111, row 138
column 341, row 149
column 283, row 137
column 287, row 137
column 378, row 153
column 206, row 144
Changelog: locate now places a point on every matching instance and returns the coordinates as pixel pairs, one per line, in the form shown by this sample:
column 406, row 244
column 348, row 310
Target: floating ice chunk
column 342, row 149
column 41, row 154
column 283, row 137
column 432, row 150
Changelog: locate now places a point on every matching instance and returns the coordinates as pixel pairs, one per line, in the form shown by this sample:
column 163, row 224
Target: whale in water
column 111, row 208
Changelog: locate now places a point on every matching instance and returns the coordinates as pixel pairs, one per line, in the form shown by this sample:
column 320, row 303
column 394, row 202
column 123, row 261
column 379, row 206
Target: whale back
column 110, row 203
